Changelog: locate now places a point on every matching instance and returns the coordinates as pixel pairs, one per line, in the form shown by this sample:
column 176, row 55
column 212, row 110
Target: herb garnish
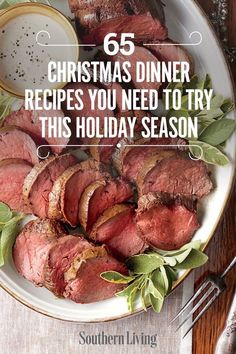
column 6, row 102
column 9, row 228
column 153, row 274
column 214, row 128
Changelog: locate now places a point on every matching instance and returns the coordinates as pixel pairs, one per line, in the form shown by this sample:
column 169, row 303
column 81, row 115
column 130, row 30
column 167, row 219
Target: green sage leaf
column 159, row 282
column 156, row 303
column 7, row 239
column 209, row 154
column 127, row 291
column 144, row 263
column 152, row 289
column 218, row 132
column 228, row 106
column 5, row 213
column 194, row 260
column 116, row 278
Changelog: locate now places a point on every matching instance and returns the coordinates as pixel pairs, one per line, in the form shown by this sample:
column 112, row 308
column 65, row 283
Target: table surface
column 208, row 329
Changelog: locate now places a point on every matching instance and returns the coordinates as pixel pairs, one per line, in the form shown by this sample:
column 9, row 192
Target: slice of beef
column 100, row 196
column 39, row 182
column 32, row 246
column 116, row 228
column 102, row 149
column 130, row 158
column 167, row 52
column 16, row 144
column 176, row 175
column 86, row 111
column 95, row 20
column 140, row 54
column 12, row 175
column 28, row 121
column 129, row 6
column 59, row 260
column 167, row 226
column 88, row 286
column 68, row 188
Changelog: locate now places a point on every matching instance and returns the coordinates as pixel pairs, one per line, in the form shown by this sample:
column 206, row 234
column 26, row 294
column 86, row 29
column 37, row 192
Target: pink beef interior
column 115, row 192
column 39, row 195
column 73, row 192
column 14, row 143
column 31, row 249
column 167, row 228
column 137, row 156
column 89, row 287
column 178, row 175
column 12, row 178
column 127, row 243
column 59, row 261
column 137, row 24
column 30, row 123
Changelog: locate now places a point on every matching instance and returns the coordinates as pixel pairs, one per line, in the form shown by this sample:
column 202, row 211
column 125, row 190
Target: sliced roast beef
column 140, row 54
column 16, row 144
column 100, row 196
column 59, row 260
column 86, row 111
column 170, row 51
column 165, row 225
column 32, row 246
column 28, row 121
column 176, row 175
column 39, row 182
column 96, row 19
column 131, row 156
column 102, row 149
column 88, row 286
column 116, row 228
column 12, row 175
column 68, row 188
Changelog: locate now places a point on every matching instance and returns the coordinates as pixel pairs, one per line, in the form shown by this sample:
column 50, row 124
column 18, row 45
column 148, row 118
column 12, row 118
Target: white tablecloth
column 22, row 331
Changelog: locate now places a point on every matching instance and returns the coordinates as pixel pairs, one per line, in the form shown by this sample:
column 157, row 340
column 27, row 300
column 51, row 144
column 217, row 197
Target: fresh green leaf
column 172, row 276
column 131, row 299
column 152, row 289
column 5, row 213
column 192, row 84
column 158, row 282
column 217, row 101
column 208, row 82
column 116, row 278
column 218, row 132
column 145, row 298
column 228, row 106
column 215, row 113
column 156, row 303
column 208, row 153
column 171, row 261
column 181, row 257
column 196, row 244
column 144, row 263
column 7, row 239
column 127, row 291
column 194, row 260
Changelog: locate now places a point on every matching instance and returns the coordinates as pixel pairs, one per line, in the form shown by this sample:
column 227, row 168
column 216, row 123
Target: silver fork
column 208, row 292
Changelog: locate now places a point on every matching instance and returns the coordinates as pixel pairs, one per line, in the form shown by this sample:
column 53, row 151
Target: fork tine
column 205, row 308
column 191, row 300
column 196, row 307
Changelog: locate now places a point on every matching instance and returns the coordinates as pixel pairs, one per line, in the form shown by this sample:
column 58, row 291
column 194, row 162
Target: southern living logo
column 128, row 338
